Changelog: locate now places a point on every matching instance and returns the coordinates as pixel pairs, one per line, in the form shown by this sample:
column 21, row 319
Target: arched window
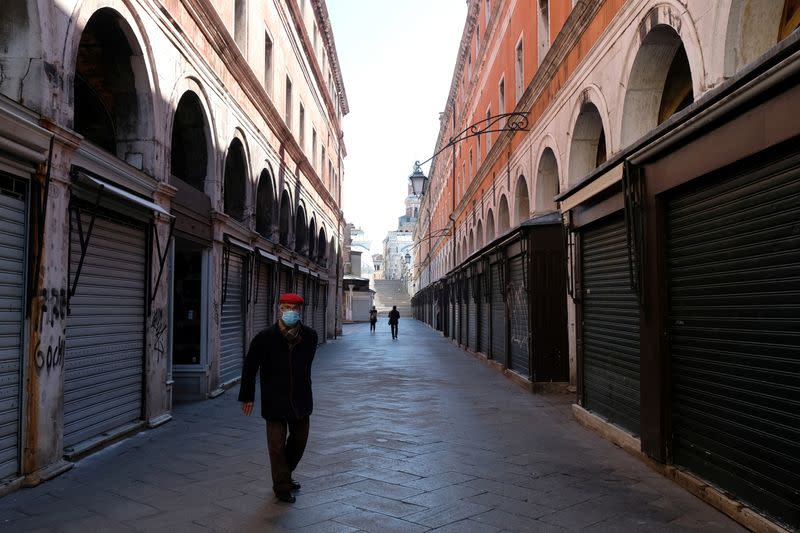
column 234, row 192
column 300, row 231
column 265, row 204
column 521, row 202
column 503, row 216
column 588, row 148
column 285, row 217
column 546, row 182
column 189, row 148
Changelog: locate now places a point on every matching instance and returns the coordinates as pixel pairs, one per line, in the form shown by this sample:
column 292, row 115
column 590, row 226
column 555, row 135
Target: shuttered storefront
column 464, row 323
column 610, row 326
column 498, row 315
column 232, row 323
column 12, row 277
column 457, row 313
column 319, row 311
column 262, row 304
column 733, row 259
column 103, row 364
column 484, row 318
column 300, row 288
column 472, row 326
column 284, row 280
column 518, row 326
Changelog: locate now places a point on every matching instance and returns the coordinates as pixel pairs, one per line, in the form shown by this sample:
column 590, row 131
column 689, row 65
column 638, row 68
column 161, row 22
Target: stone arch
column 522, row 203
column 190, row 159
column 490, row 229
column 479, row 235
column 21, row 54
column 111, row 71
column 235, row 180
column 661, row 79
column 265, row 204
column 284, row 218
column 546, row 182
column 503, row 216
column 589, row 147
column 752, row 28
column 464, row 249
column 300, row 230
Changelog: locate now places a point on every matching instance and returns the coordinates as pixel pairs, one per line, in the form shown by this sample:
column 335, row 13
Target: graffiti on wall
column 518, row 307
column 158, row 327
column 53, row 314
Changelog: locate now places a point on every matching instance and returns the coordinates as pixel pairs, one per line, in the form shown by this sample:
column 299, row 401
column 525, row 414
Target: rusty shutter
column 733, row 257
column 498, row 314
column 610, row 329
column 518, row 307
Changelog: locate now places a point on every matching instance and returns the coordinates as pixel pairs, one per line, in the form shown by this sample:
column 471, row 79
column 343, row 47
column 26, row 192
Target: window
column 314, row 147
column 469, row 65
column 477, row 38
column 302, row 118
column 479, row 151
column 240, row 23
column 288, row 111
column 267, row 63
column 544, row 29
column 316, row 39
column 519, row 71
column 322, row 164
column 501, row 90
column 487, row 11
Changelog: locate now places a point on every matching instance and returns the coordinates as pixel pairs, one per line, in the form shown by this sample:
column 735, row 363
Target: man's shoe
column 286, row 497
column 294, row 485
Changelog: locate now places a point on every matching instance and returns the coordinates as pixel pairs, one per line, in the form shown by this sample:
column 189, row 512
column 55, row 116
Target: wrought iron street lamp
column 418, row 180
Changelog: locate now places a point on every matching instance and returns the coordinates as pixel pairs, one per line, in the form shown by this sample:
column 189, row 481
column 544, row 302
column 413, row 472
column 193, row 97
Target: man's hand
column 247, row 408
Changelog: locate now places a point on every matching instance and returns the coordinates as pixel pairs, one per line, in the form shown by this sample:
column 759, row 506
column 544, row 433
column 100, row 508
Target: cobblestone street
column 409, row 435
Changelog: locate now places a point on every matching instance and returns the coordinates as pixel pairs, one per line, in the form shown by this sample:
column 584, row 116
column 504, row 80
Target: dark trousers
column 394, row 330
column 372, row 325
column 286, row 442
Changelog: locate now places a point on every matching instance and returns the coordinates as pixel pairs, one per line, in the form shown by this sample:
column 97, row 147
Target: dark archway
column 265, row 205
column 312, row 238
column 322, row 252
column 522, row 204
column 189, row 147
column 490, row 231
column 300, row 231
column 107, row 105
column 546, row 183
column 285, row 217
column 588, row 148
column 234, row 192
column 503, row 218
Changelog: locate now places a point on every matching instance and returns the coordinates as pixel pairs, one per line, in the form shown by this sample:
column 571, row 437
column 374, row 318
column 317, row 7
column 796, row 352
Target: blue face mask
column 290, row 318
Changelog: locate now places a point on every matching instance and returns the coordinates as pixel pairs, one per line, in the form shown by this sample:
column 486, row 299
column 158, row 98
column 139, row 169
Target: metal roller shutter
column 300, row 288
column 733, row 255
column 231, row 354
column 262, row 306
column 464, row 319
column 103, row 364
column 498, row 316
column 518, row 307
column 451, row 313
column 12, row 277
column 283, row 282
column 457, row 318
column 610, row 327
column 484, row 320
column 319, row 312
column 472, row 326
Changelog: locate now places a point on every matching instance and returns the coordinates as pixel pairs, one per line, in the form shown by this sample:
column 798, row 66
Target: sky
column 397, row 59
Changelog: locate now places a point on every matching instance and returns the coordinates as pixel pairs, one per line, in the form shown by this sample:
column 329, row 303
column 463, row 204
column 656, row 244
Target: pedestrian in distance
column 283, row 353
column 373, row 319
column 394, row 318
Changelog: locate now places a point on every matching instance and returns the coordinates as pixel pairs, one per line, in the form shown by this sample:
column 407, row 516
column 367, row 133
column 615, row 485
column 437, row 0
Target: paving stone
column 379, row 523
column 446, row 514
column 444, row 495
column 387, row 490
column 387, row 506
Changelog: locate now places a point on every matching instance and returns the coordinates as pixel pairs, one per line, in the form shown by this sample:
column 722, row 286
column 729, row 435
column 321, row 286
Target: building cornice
column 216, row 33
column 327, row 34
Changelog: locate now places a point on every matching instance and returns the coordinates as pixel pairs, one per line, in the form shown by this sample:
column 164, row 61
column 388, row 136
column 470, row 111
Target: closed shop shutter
column 518, row 307
column 300, row 288
column 473, row 317
column 610, row 327
column 232, row 323
column 463, row 339
column 319, row 312
column 458, row 305
column 451, row 313
column 262, row 305
column 733, row 259
column 285, row 277
column 103, row 365
column 498, row 316
column 484, row 323
column 12, row 268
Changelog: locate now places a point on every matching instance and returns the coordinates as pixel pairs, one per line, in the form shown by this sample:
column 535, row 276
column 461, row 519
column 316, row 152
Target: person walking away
column 373, row 319
column 394, row 318
column 283, row 353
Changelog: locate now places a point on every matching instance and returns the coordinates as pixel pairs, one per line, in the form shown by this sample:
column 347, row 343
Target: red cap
column 291, row 298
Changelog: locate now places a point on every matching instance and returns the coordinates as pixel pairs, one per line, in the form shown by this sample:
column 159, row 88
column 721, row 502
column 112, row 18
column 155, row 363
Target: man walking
column 373, row 319
column 394, row 318
column 284, row 353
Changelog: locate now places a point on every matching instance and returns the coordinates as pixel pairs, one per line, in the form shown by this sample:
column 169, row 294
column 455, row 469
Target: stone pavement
column 409, row 435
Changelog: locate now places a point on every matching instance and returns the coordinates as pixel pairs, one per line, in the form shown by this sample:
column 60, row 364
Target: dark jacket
column 394, row 316
column 285, row 375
